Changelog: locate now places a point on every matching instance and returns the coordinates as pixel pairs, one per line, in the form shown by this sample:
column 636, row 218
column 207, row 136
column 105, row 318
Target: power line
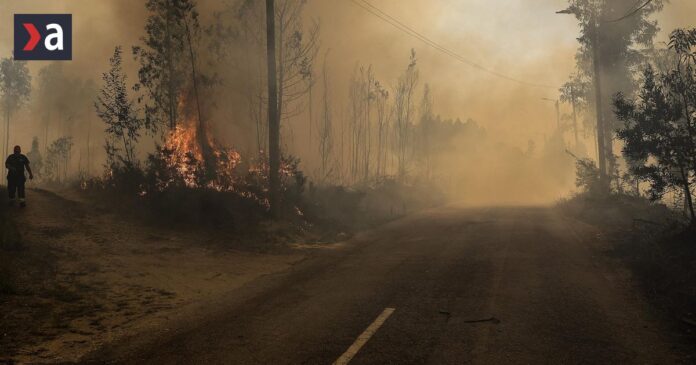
column 365, row 5
column 630, row 13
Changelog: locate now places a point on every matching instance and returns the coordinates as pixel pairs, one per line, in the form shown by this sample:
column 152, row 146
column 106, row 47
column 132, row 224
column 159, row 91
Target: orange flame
column 187, row 160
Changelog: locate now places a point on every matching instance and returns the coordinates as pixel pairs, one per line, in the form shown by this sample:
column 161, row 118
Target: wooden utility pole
column 273, row 121
column 601, row 142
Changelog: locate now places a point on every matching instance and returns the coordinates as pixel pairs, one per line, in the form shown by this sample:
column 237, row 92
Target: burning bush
column 179, row 184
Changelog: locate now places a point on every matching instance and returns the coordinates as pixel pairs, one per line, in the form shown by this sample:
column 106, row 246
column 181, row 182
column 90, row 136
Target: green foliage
column 62, row 102
column 164, row 64
column 237, row 199
column 587, row 176
column 15, row 84
column 660, row 126
column 120, row 115
column 578, row 92
column 623, row 37
column 57, row 160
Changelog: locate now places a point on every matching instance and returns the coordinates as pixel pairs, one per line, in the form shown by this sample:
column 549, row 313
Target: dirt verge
column 83, row 277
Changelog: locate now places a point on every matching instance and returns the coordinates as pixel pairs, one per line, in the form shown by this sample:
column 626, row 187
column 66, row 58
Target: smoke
column 522, row 38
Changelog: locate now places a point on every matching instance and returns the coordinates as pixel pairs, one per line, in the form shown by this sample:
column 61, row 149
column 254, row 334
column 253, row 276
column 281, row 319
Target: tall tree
column 384, row 114
column 326, row 127
column 164, row 58
column 576, row 92
column 404, row 95
column 426, row 126
column 296, row 50
column 15, row 88
column 612, row 34
column 660, row 124
column 273, row 113
column 118, row 111
column 47, row 100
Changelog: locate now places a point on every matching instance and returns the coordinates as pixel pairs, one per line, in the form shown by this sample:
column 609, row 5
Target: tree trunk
column 7, row 133
column 687, row 196
column 170, row 68
column 601, row 141
column 309, row 142
column 48, row 121
column 575, row 118
column 89, row 132
column 273, row 117
column 202, row 132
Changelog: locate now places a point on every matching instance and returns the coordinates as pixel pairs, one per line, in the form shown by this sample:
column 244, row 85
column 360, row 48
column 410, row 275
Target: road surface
column 448, row 286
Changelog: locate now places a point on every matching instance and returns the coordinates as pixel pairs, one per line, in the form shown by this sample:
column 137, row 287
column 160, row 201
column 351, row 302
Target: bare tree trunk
column 7, row 133
column 202, row 134
column 601, row 140
column 273, row 117
column 368, row 140
column 48, row 121
column 688, row 197
column 170, row 68
column 575, row 117
column 309, row 142
column 89, row 132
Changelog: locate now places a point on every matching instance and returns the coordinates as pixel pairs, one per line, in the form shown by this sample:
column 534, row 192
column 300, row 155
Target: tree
column 577, row 92
column 358, row 97
column 660, row 124
column 426, row 124
column 34, row 156
column 273, row 112
column 15, row 88
column 296, row 50
column 57, row 159
column 163, row 59
column 403, row 111
column 384, row 114
column 47, row 100
column 326, row 127
column 611, row 34
column 120, row 115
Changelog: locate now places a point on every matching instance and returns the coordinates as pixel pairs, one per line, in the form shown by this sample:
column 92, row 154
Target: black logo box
column 40, row 21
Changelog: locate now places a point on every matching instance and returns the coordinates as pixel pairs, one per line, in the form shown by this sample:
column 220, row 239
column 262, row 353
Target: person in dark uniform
column 15, row 164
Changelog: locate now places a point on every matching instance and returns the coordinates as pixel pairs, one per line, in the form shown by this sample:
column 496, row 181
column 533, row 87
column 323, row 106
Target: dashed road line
column 364, row 337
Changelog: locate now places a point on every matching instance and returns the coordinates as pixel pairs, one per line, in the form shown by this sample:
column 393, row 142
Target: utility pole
column 273, row 121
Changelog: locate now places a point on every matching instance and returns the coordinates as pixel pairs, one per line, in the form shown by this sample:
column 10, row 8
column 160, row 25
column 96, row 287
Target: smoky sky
column 521, row 38
column 524, row 39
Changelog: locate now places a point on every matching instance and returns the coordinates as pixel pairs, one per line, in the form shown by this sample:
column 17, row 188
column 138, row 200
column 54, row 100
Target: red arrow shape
column 34, row 37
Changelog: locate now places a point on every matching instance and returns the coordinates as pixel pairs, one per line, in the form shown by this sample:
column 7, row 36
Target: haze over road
column 480, row 286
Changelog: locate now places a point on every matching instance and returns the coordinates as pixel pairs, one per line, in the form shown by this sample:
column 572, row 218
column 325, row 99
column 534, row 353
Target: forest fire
column 186, row 157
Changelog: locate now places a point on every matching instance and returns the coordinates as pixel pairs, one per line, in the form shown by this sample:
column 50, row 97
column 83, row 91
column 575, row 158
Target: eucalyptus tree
column 164, row 58
column 404, row 95
column 614, row 38
column 15, row 89
column 660, row 123
column 119, row 113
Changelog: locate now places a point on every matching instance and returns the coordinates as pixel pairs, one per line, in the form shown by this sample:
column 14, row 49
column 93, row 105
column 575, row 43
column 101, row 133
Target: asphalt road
column 468, row 286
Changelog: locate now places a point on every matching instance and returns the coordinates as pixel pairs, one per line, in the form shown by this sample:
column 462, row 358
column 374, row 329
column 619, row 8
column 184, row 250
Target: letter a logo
column 43, row 37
